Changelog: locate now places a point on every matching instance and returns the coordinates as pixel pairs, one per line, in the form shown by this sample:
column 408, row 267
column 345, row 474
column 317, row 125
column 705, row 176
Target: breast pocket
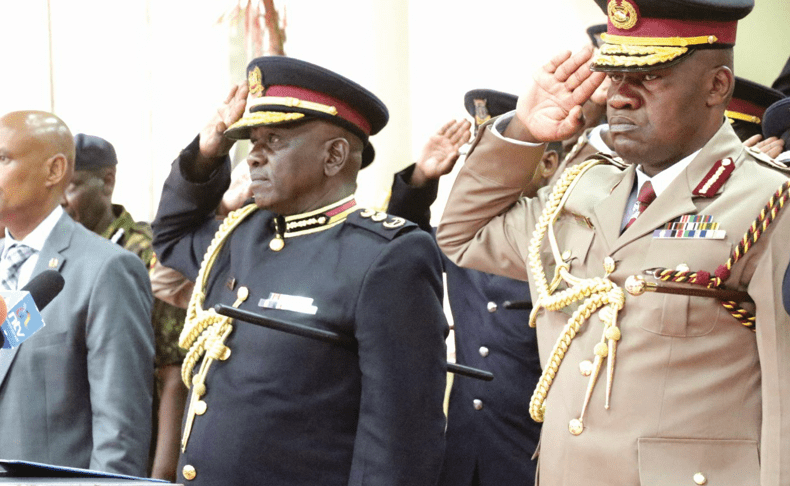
column 682, row 315
column 669, row 462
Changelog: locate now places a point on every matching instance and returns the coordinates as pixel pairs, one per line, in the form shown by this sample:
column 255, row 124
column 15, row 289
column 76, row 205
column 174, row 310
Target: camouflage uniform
column 166, row 319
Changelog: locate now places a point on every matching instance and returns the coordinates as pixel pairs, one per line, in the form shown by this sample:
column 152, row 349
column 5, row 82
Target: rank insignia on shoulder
column 691, row 226
column 715, row 178
column 289, row 302
column 389, row 222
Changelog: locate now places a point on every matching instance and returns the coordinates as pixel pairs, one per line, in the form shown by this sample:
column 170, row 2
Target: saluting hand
column 213, row 142
column 771, row 146
column 440, row 153
column 551, row 108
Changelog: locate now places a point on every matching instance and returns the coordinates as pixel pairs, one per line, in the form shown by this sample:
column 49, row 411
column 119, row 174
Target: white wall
column 146, row 74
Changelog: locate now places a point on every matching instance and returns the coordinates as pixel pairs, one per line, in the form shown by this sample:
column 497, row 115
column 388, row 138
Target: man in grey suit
column 78, row 393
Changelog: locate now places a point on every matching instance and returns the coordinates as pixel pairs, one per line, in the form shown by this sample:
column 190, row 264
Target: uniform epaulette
column 611, row 159
column 380, row 223
column 764, row 159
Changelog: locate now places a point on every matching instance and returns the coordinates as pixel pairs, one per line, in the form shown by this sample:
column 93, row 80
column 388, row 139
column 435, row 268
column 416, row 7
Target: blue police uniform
column 271, row 408
column 490, row 436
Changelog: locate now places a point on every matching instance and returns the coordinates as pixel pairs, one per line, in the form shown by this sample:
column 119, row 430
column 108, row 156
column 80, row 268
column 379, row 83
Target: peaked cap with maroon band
column 643, row 35
column 286, row 90
column 746, row 109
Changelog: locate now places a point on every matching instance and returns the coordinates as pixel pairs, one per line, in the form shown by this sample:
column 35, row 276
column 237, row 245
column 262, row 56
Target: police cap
column 93, row 152
column 750, row 100
column 776, row 121
column 484, row 104
column 285, row 90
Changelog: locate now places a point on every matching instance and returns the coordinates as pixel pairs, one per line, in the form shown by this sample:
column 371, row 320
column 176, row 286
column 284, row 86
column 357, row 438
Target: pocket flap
column 698, row 461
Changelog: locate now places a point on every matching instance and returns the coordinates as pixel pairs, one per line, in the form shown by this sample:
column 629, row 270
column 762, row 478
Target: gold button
column 586, row 367
column 576, row 427
column 609, row 265
column 700, row 479
column 483, row 351
column 478, row 404
column 242, row 293
column 189, row 472
column 200, row 407
column 566, row 255
column 491, row 307
column 277, row 244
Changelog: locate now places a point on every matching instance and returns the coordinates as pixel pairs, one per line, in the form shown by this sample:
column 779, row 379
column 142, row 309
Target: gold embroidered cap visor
column 643, row 35
column 286, row 90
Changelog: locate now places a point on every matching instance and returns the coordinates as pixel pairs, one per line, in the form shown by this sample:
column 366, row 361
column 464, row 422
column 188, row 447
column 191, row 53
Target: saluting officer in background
column 643, row 388
column 490, row 437
column 272, row 408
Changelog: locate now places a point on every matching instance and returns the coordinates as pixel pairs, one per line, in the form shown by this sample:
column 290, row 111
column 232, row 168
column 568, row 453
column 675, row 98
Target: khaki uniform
column 696, row 396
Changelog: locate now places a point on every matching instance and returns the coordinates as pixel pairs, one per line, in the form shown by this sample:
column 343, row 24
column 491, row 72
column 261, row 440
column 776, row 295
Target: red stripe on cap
column 344, row 110
column 743, row 106
column 650, row 27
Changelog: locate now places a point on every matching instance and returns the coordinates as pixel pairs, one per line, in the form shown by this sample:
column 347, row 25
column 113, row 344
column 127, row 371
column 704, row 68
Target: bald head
column 37, row 150
column 48, row 133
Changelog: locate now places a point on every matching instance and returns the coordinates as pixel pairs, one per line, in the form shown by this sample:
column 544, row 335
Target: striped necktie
column 16, row 255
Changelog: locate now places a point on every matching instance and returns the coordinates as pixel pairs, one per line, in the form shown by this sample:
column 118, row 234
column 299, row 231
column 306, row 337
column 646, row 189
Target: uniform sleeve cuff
column 501, row 123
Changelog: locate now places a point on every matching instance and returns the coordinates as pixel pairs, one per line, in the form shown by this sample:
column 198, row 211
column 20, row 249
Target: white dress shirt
column 34, row 240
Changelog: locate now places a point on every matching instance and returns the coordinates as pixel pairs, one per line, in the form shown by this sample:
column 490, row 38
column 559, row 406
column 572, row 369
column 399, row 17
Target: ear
column 109, row 181
column 57, row 171
column 722, row 85
column 549, row 164
column 337, row 155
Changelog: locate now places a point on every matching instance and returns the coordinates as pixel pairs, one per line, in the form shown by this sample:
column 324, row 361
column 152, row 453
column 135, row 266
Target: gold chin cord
column 205, row 331
column 599, row 294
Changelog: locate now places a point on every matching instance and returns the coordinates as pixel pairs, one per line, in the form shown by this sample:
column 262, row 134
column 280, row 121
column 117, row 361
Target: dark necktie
column 644, row 198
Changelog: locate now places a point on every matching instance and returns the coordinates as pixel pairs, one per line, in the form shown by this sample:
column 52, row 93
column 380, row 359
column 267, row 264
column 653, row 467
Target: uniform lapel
column 608, row 212
column 49, row 257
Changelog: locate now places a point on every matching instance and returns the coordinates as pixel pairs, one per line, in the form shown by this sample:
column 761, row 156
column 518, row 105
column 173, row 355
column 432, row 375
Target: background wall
column 146, row 74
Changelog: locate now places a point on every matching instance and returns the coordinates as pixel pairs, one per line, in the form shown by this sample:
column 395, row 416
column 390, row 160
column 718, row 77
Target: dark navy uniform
column 490, row 436
column 286, row 410
column 271, row 408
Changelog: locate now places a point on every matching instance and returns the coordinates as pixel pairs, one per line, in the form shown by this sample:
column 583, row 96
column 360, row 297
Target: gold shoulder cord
column 205, row 331
column 198, row 319
column 598, row 293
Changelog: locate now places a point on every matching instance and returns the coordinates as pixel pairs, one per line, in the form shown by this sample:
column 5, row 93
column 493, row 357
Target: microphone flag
column 21, row 319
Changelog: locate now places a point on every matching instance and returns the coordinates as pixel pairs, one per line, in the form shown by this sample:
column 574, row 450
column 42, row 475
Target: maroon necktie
column 645, row 197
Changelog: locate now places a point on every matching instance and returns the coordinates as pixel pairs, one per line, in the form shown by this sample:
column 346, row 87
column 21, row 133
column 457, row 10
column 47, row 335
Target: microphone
column 21, row 309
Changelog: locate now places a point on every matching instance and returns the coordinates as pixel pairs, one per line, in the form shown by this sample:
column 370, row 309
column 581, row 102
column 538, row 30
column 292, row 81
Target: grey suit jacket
column 78, row 393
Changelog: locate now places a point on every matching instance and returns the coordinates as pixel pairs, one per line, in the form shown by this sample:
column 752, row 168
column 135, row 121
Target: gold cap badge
column 622, row 14
column 255, row 82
